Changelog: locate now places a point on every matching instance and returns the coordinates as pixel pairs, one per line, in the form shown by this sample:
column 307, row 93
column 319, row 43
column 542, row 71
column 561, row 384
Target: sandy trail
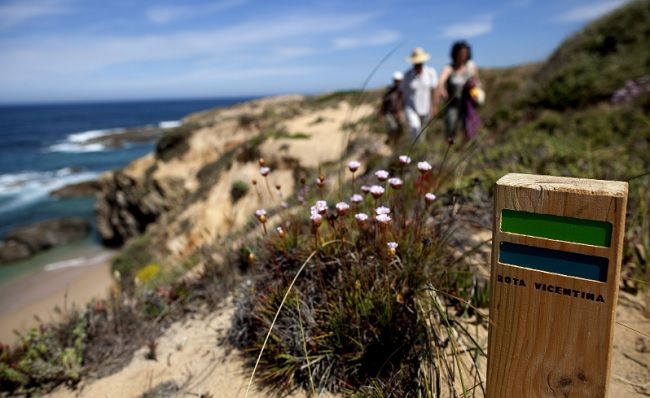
column 189, row 362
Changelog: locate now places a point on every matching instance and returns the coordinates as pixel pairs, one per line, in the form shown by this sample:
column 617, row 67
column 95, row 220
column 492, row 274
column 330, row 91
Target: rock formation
column 180, row 196
column 77, row 190
column 26, row 241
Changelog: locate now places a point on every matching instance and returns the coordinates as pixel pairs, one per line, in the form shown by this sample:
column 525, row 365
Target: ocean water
column 45, row 147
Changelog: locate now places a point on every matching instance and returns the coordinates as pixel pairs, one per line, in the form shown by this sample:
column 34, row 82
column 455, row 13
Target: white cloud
column 472, row 28
column 20, row 11
column 255, row 49
column 69, row 54
column 589, row 12
column 379, row 39
column 166, row 14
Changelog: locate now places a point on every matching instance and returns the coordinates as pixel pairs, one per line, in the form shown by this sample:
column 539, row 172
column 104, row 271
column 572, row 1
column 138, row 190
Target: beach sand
column 63, row 284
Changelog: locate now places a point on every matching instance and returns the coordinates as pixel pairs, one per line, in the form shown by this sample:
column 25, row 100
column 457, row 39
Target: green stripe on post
column 568, row 229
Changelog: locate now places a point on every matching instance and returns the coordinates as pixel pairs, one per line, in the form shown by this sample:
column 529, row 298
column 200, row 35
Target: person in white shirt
column 417, row 89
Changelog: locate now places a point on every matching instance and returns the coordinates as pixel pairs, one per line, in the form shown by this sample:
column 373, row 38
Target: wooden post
column 556, row 260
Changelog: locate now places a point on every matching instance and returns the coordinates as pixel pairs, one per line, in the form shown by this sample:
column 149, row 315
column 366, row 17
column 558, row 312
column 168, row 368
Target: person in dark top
column 390, row 110
column 459, row 83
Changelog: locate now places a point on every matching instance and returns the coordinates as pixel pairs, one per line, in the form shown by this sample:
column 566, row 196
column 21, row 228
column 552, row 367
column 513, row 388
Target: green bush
column 590, row 65
column 360, row 314
column 238, row 190
column 174, row 142
column 137, row 254
column 48, row 355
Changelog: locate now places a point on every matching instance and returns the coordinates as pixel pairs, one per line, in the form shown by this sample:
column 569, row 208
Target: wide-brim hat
column 418, row 56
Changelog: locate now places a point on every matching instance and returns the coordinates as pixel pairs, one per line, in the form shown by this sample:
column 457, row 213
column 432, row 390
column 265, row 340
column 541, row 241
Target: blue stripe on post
column 555, row 261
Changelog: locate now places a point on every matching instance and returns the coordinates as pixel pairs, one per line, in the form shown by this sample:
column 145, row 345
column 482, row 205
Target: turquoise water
column 82, row 248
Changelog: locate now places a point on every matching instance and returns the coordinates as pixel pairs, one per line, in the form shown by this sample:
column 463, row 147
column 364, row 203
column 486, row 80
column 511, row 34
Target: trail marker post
column 556, row 259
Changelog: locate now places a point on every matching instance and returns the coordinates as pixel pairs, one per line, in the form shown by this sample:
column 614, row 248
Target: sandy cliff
column 182, row 195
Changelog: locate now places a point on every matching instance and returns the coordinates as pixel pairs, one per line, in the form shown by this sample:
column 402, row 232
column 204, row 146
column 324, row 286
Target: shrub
column 174, row 142
column 128, row 262
column 238, row 190
column 590, row 65
column 147, row 274
column 49, row 355
column 367, row 297
column 247, row 120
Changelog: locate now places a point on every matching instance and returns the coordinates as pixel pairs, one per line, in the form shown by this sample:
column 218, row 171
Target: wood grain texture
column 544, row 342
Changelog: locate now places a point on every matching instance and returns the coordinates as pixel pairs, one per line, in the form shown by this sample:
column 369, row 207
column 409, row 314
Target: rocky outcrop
column 127, row 204
column 26, row 241
column 174, row 176
column 77, row 190
column 127, row 136
column 181, row 195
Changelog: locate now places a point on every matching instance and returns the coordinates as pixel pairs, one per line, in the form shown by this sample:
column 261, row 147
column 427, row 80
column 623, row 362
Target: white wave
column 83, row 137
column 80, row 142
column 78, row 262
column 72, row 147
column 28, row 187
column 74, row 262
column 169, row 124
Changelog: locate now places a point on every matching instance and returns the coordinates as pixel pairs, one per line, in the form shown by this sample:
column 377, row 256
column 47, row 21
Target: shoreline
column 68, row 283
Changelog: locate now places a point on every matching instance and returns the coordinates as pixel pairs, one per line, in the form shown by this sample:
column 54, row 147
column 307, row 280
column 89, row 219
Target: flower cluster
column 320, row 207
column 342, row 208
column 631, row 90
column 354, row 166
column 382, row 213
column 395, row 183
column 382, row 210
column 382, row 175
column 404, row 160
column 261, row 215
column 424, row 167
column 376, row 191
column 392, row 248
column 383, row 219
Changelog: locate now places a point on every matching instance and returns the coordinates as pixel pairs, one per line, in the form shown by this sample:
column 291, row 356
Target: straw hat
column 418, row 56
column 398, row 76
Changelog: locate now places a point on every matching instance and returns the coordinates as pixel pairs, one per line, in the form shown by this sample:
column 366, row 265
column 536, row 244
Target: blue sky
column 75, row 50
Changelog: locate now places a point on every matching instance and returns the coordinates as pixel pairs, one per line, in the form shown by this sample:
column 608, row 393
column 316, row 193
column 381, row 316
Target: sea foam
column 169, row 124
column 24, row 188
column 83, row 137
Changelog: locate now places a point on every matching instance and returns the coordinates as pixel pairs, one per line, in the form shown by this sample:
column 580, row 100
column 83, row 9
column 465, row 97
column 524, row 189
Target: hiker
column 390, row 110
column 460, row 88
column 417, row 89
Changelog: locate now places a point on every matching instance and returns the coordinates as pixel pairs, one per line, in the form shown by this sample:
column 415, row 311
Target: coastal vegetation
column 375, row 291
